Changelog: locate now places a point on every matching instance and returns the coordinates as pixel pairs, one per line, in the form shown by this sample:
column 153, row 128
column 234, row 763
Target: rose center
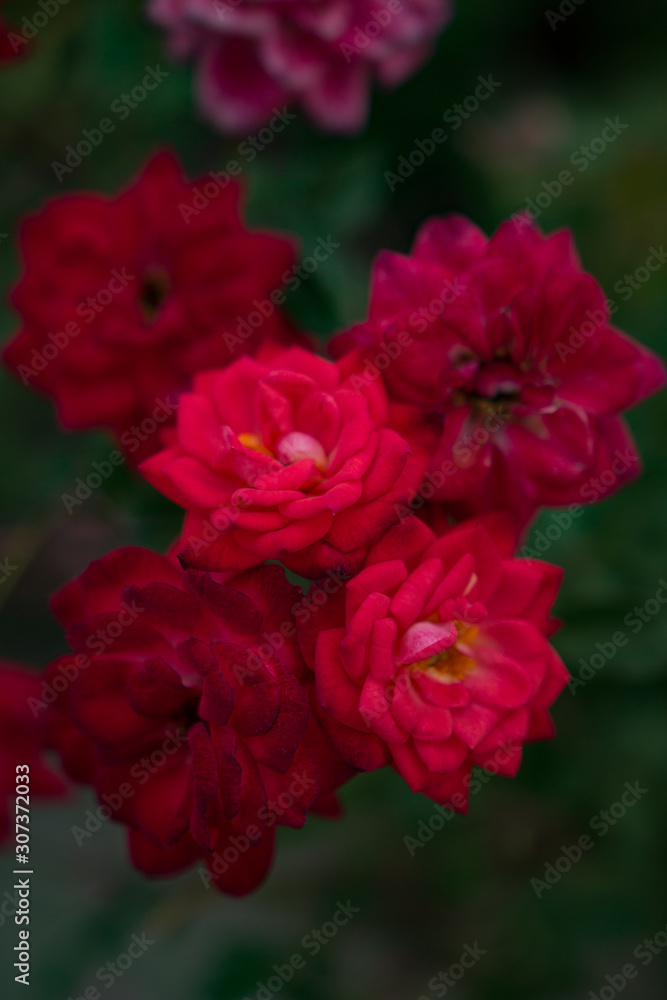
column 497, row 388
column 290, row 448
column 444, row 649
column 450, row 666
column 154, row 291
column 296, row 445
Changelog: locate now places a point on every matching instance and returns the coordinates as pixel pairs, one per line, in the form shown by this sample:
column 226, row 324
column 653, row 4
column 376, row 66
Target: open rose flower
column 434, row 658
column 511, row 343
column 297, row 459
column 124, row 298
column 254, row 56
column 195, row 699
column 23, row 743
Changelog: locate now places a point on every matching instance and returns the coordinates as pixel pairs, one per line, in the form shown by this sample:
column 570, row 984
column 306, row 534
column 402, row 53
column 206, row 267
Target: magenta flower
column 255, row 56
column 510, row 341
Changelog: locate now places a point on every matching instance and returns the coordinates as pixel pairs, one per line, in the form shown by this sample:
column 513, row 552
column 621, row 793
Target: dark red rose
column 124, row 298
column 196, row 698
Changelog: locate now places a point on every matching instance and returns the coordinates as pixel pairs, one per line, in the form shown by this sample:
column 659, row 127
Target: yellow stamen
column 255, row 443
column 452, row 664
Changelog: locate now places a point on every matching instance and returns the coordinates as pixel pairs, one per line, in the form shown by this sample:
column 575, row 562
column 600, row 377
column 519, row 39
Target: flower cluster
column 208, row 698
column 256, row 56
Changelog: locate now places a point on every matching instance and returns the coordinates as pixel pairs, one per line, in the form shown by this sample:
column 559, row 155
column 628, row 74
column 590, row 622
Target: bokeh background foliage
column 471, row 882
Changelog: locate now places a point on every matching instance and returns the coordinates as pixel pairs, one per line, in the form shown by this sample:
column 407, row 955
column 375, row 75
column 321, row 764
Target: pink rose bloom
column 298, row 459
column 256, row 56
column 511, row 343
column 434, row 658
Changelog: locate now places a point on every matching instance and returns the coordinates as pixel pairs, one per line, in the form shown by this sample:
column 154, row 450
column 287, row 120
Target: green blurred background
column 471, row 883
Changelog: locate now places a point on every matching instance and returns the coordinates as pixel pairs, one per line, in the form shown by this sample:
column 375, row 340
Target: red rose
column 511, row 343
column 196, row 699
column 297, row 459
column 123, row 299
column 434, row 658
